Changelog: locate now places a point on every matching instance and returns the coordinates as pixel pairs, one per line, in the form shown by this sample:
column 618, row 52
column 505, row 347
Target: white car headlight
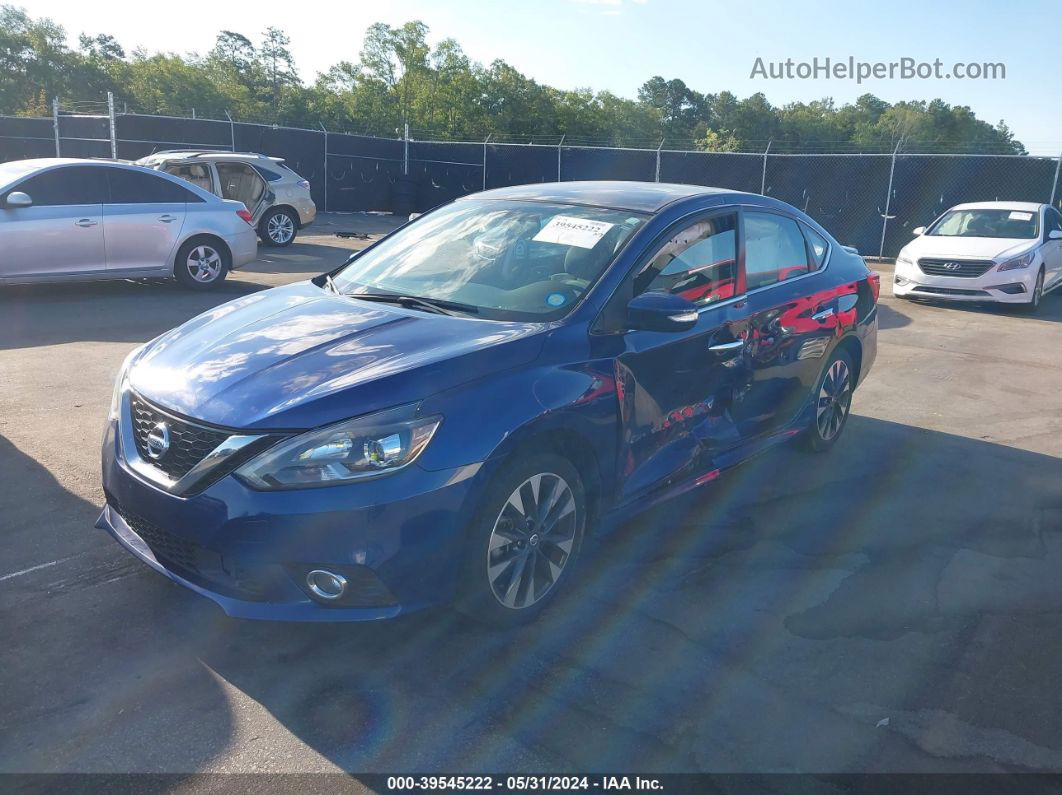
column 352, row 450
column 904, row 259
column 1024, row 261
column 120, row 382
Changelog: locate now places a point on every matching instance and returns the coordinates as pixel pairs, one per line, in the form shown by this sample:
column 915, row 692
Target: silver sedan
column 69, row 219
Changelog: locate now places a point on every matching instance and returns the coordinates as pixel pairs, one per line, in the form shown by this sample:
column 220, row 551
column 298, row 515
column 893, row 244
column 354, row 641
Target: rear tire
column 832, row 403
column 202, row 264
column 278, row 228
column 524, row 541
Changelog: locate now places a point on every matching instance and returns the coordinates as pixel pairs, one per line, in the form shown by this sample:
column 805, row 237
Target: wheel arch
column 206, row 237
column 283, row 206
column 851, row 345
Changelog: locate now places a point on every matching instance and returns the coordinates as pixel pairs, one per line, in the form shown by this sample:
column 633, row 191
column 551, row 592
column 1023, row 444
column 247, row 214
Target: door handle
column 722, row 347
column 823, row 314
column 167, row 218
column 85, row 222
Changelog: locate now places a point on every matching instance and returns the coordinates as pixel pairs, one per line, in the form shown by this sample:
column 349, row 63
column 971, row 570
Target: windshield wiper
column 436, row 305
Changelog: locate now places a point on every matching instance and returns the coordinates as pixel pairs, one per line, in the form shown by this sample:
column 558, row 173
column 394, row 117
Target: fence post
column 763, row 181
column 55, row 123
column 405, row 149
column 232, row 130
column 485, row 142
column 325, row 131
column 559, row 145
column 657, row 178
column 1054, row 185
column 110, row 119
column 888, row 201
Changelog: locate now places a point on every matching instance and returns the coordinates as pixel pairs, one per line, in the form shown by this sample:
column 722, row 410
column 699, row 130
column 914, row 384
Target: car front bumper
column 397, row 539
column 1006, row 287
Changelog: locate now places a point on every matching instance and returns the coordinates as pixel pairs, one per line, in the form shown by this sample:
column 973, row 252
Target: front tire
column 278, row 228
column 833, row 403
column 201, row 264
column 524, row 540
column 1037, row 295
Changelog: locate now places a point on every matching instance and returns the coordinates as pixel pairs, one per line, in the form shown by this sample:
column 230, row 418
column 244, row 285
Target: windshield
column 1014, row 224
column 508, row 260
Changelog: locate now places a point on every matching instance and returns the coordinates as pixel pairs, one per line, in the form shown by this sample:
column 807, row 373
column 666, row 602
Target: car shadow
column 797, row 597
column 1050, row 307
column 94, row 680
column 889, row 317
column 300, row 258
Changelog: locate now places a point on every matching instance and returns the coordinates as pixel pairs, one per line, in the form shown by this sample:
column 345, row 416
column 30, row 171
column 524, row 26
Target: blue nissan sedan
column 447, row 415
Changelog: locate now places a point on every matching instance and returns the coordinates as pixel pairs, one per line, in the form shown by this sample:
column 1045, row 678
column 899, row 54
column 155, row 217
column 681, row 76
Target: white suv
column 277, row 198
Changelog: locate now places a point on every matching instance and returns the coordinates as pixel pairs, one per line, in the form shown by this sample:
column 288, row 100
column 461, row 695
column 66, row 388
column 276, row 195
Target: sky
column 618, row 44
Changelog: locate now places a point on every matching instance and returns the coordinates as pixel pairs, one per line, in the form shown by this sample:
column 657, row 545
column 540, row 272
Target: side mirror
column 17, row 198
column 657, row 311
column 918, row 230
column 1055, row 234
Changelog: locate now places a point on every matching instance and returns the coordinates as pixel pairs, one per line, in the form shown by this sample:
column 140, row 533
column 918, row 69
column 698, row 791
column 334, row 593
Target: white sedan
column 1004, row 252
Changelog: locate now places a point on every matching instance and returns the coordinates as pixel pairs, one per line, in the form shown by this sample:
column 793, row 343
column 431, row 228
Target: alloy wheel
column 204, row 264
column 280, row 228
column 531, row 541
column 835, row 398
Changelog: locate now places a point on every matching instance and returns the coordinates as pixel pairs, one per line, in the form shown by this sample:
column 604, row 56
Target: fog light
column 1017, row 288
column 326, row 584
column 900, row 281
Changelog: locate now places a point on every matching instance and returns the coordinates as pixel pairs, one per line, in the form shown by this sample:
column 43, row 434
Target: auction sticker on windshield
column 570, row 231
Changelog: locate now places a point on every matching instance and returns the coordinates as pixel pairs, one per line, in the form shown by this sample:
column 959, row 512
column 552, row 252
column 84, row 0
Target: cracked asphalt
column 891, row 606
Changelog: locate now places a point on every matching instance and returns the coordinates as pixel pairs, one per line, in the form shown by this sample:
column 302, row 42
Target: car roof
column 1021, row 206
column 20, row 168
column 203, row 154
column 649, row 197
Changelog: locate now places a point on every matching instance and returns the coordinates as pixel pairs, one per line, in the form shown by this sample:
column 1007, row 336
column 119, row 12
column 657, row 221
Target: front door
column 676, row 389
column 61, row 233
column 143, row 219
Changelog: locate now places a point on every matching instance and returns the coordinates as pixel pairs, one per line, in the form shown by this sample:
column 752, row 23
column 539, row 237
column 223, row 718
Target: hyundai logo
column 158, row 441
column 951, row 266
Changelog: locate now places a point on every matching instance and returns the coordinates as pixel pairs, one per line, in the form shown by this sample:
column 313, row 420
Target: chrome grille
column 966, row 269
column 189, row 443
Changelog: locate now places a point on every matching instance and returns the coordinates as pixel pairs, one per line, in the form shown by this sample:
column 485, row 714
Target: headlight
column 1024, row 261
column 352, row 450
column 902, row 259
column 120, row 381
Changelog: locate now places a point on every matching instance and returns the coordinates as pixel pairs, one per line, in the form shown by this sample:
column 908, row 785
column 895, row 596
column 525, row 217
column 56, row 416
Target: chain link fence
column 870, row 201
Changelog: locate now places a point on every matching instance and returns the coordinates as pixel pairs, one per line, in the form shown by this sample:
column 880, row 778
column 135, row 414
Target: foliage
column 401, row 78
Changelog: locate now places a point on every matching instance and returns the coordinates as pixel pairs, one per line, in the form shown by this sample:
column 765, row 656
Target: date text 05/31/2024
column 522, row 783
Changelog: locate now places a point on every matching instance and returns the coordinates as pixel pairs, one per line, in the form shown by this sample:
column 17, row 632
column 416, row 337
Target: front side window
column 143, row 187
column 70, row 185
column 506, row 260
column 699, row 263
column 774, row 250
column 196, row 173
column 1010, row 224
column 1054, row 220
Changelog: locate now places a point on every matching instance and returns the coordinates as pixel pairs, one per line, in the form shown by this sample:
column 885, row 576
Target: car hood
column 297, row 357
column 966, row 247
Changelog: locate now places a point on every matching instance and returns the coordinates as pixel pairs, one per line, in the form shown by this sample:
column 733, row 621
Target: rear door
column 1052, row 248
column 143, row 219
column 676, row 389
column 61, row 234
column 792, row 319
column 244, row 184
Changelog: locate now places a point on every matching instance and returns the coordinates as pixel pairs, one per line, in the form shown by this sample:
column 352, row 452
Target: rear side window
column 142, row 187
column 774, row 250
column 818, row 247
column 271, row 176
column 67, row 185
column 699, row 263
